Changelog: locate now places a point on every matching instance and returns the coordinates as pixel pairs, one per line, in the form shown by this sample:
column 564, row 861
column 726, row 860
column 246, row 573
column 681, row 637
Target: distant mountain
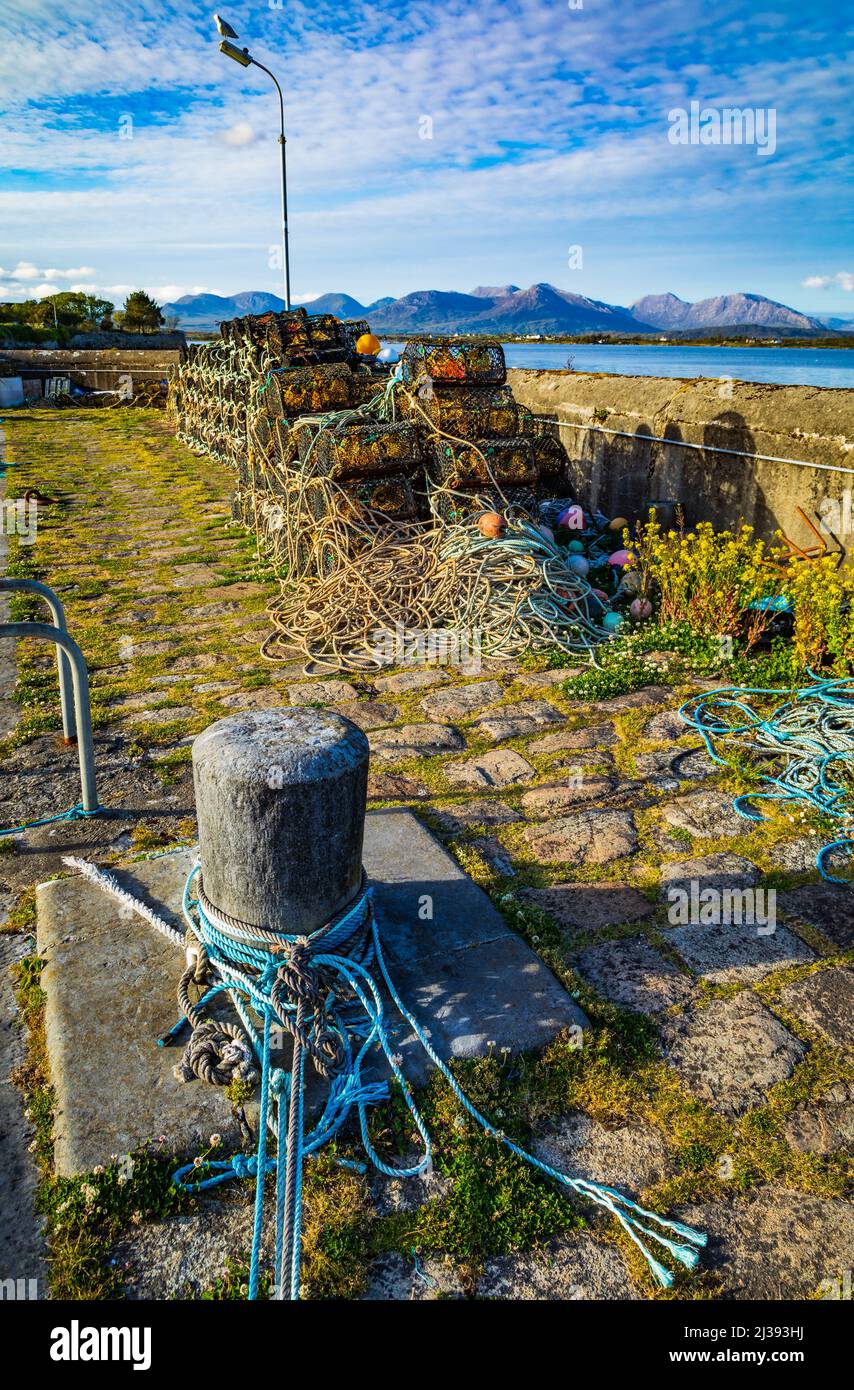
column 541, row 309
column 343, row 306
column 838, row 325
column 501, row 309
column 206, row 311
column 669, row 312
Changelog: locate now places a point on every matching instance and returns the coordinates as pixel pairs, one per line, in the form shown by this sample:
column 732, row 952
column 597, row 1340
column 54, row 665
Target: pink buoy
column 621, row 558
column 640, row 609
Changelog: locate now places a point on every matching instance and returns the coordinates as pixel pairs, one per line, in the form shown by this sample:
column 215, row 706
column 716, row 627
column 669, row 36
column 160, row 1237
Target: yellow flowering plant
column 822, row 598
column 707, row 578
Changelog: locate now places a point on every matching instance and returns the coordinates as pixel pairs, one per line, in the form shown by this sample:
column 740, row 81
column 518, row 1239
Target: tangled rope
column 321, row 990
column 803, row 749
column 368, row 507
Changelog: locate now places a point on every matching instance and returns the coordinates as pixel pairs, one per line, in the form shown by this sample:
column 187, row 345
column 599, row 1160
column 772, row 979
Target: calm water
column 786, row 366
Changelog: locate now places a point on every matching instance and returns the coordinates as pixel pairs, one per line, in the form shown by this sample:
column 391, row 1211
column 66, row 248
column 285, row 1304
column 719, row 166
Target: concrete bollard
column 280, row 799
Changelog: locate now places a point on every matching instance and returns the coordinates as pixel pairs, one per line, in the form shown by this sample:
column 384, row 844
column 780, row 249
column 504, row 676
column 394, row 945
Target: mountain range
column 506, row 309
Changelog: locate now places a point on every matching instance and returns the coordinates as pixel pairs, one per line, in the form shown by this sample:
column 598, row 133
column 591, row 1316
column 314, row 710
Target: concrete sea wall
column 619, row 475
column 99, row 369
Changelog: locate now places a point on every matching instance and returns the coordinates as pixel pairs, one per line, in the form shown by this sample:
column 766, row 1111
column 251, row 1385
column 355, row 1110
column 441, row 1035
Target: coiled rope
column 808, row 741
column 321, row 989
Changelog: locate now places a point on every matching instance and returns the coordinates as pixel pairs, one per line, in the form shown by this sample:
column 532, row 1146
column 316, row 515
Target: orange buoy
column 368, row 345
column 491, row 524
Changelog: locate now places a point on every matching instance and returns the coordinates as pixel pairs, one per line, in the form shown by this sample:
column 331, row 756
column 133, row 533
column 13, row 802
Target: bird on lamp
column 224, row 28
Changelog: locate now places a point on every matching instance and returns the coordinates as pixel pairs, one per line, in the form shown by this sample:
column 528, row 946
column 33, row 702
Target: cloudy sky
column 430, row 146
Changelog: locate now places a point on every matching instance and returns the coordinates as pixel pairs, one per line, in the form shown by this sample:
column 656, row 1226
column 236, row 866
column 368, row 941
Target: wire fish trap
column 552, row 463
column 325, row 331
column 466, row 412
column 394, row 496
column 308, row 390
column 503, row 461
column 286, row 332
column 354, row 329
column 365, row 451
column 448, row 362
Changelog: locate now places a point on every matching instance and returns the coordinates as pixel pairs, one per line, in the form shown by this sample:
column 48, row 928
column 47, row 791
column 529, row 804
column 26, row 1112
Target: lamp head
column 240, row 55
column 224, row 28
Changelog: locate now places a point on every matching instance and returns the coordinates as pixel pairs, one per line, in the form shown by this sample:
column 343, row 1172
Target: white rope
column 111, row 885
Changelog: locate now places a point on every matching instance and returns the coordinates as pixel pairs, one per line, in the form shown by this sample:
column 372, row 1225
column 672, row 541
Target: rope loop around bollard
column 321, row 990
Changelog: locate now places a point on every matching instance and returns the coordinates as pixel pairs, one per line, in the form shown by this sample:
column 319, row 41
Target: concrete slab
column 110, row 983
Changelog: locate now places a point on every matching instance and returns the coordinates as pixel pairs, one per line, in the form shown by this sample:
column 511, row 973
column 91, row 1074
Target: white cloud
column 81, row 272
column 41, row 291
column 25, row 270
column 843, row 280
column 239, row 135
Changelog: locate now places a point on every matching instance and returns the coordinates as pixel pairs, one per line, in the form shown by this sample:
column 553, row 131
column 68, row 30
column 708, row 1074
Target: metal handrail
column 66, row 695
column 82, row 709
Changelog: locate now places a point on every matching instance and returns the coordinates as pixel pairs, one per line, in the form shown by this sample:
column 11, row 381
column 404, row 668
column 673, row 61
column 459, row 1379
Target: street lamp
column 245, row 59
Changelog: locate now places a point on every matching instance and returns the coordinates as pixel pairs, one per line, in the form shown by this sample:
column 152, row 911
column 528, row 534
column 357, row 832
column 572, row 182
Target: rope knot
column 219, row 1053
column 296, row 976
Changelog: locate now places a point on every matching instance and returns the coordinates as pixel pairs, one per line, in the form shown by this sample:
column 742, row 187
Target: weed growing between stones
column 84, row 1216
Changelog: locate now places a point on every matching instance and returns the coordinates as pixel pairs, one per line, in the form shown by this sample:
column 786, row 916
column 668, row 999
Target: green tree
column 140, row 313
column 69, row 309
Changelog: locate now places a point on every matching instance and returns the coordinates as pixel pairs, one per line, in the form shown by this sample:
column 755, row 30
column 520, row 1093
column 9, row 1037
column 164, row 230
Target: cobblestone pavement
column 584, row 822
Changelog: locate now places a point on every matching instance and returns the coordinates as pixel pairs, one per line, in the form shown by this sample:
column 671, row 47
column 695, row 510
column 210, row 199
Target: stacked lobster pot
column 482, row 446
column 239, row 398
column 320, row 438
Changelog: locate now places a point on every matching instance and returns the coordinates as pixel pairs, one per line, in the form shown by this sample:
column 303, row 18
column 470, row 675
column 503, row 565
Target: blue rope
column 808, row 738
column 357, row 1010
column 76, row 813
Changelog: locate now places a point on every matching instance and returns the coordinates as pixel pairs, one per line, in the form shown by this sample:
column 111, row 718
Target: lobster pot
column 311, row 390
column 354, row 329
column 552, row 464
column 449, row 362
column 326, row 331
column 520, row 498
column 367, row 383
column 285, row 449
column 466, row 412
column 366, row 451
column 503, row 461
column 261, row 436
column 393, row 495
column 287, row 332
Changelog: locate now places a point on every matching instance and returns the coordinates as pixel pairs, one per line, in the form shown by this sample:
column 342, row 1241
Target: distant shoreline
column 591, row 339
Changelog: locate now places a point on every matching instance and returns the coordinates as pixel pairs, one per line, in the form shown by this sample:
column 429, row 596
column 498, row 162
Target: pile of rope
column 803, row 749
column 369, row 505
column 325, row 991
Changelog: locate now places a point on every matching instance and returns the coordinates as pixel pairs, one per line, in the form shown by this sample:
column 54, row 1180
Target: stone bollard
column 280, row 799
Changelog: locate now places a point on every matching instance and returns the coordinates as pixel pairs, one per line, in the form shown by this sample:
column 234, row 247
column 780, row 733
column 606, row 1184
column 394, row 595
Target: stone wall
column 620, row 474
column 94, row 369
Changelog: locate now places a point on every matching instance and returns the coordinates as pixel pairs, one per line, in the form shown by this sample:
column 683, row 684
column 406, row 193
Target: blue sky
column 549, row 131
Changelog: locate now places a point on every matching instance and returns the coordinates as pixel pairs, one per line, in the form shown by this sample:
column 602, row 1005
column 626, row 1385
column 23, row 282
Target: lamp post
column 245, row 59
